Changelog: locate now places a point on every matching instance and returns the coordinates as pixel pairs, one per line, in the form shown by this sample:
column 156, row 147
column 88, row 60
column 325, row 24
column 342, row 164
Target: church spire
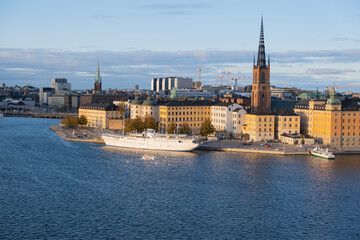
column 261, row 61
column 97, row 76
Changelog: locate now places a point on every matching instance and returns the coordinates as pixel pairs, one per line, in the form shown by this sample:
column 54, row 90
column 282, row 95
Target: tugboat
column 323, row 153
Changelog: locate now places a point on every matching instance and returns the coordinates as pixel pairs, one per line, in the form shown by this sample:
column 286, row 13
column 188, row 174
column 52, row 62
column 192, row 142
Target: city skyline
column 135, row 44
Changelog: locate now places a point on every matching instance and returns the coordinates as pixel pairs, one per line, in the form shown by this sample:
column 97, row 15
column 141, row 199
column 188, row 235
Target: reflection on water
column 50, row 188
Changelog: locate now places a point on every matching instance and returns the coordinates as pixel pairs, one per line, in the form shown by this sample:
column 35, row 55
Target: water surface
column 53, row 189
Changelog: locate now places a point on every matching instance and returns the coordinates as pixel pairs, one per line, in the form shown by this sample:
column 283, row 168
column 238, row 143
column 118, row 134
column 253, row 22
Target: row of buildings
column 333, row 121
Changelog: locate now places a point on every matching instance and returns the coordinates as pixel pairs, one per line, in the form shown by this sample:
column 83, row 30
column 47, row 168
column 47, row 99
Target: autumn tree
column 82, row 120
column 206, row 128
column 185, row 129
column 150, row 122
column 134, row 124
column 129, row 126
column 122, row 110
column 171, row 128
column 70, row 121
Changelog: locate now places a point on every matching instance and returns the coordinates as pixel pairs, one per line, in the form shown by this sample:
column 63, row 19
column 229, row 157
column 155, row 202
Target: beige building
column 287, row 124
column 260, row 127
column 296, row 139
column 98, row 115
column 138, row 108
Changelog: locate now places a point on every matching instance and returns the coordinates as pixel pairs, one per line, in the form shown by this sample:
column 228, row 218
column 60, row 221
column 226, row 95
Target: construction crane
column 235, row 79
column 199, row 69
column 228, row 74
column 221, row 78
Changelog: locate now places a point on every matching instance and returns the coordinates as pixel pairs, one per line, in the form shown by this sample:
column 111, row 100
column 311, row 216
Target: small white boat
column 323, row 153
column 1, row 115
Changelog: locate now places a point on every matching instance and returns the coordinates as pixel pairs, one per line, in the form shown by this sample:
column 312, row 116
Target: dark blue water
column 52, row 189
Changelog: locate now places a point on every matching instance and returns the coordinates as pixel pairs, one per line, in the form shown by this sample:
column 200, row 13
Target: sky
column 310, row 43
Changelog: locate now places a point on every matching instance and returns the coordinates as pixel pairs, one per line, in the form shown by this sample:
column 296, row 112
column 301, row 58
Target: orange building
column 333, row 122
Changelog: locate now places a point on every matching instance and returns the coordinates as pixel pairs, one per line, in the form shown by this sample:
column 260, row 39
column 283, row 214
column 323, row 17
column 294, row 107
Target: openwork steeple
column 97, row 76
column 261, row 61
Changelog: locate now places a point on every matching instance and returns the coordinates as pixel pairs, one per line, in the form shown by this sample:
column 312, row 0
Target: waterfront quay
column 38, row 114
column 93, row 135
column 78, row 134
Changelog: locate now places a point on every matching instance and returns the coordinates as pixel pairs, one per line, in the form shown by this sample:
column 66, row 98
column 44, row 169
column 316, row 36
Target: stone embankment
column 39, row 115
column 259, row 148
column 84, row 134
column 77, row 134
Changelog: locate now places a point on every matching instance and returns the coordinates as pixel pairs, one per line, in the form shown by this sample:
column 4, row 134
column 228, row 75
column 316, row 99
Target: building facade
column 98, row 114
column 193, row 113
column 60, row 84
column 168, row 83
column 260, row 127
column 44, row 94
column 228, row 117
column 141, row 109
column 289, row 124
column 333, row 122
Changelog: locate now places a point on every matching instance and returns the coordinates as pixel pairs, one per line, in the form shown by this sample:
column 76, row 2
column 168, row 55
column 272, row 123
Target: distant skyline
column 309, row 42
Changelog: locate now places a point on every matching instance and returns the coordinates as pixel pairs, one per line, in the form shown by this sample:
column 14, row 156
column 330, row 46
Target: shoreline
column 222, row 146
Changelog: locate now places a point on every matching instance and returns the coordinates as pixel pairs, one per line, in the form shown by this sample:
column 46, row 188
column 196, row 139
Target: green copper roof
column 174, row 94
column 97, row 77
column 137, row 101
column 150, row 102
column 333, row 100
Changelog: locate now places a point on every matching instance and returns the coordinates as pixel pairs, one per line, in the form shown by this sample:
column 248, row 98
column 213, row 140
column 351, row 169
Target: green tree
column 82, row 120
column 150, row 122
column 302, row 141
column 70, row 121
column 171, row 128
column 185, row 129
column 296, row 142
column 206, row 128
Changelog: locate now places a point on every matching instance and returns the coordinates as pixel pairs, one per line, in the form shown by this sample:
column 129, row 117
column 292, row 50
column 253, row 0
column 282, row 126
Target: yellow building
column 260, row 127
column 191, row 112
column 98, row 114
column 289, row 123
column 333, row 122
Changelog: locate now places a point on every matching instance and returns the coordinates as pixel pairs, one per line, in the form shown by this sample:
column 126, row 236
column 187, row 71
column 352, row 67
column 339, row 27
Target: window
column 263, row 77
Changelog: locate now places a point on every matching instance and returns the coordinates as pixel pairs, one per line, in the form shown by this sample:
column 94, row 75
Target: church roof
column 150, row 102
column 97, row 76
column 137, row 101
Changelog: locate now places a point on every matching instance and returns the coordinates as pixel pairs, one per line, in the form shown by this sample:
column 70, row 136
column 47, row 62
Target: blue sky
column 310, row 42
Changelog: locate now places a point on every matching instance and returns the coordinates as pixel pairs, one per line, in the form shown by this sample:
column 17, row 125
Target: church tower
column 260, row 94
column 97, row 85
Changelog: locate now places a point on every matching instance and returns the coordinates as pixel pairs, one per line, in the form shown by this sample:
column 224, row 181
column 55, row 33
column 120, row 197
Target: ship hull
column 163, row 144
column 316, row 154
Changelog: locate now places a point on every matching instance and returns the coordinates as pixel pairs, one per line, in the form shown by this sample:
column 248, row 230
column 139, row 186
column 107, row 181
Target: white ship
column 1, row 115
column 323, row 153
column 151, row 140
